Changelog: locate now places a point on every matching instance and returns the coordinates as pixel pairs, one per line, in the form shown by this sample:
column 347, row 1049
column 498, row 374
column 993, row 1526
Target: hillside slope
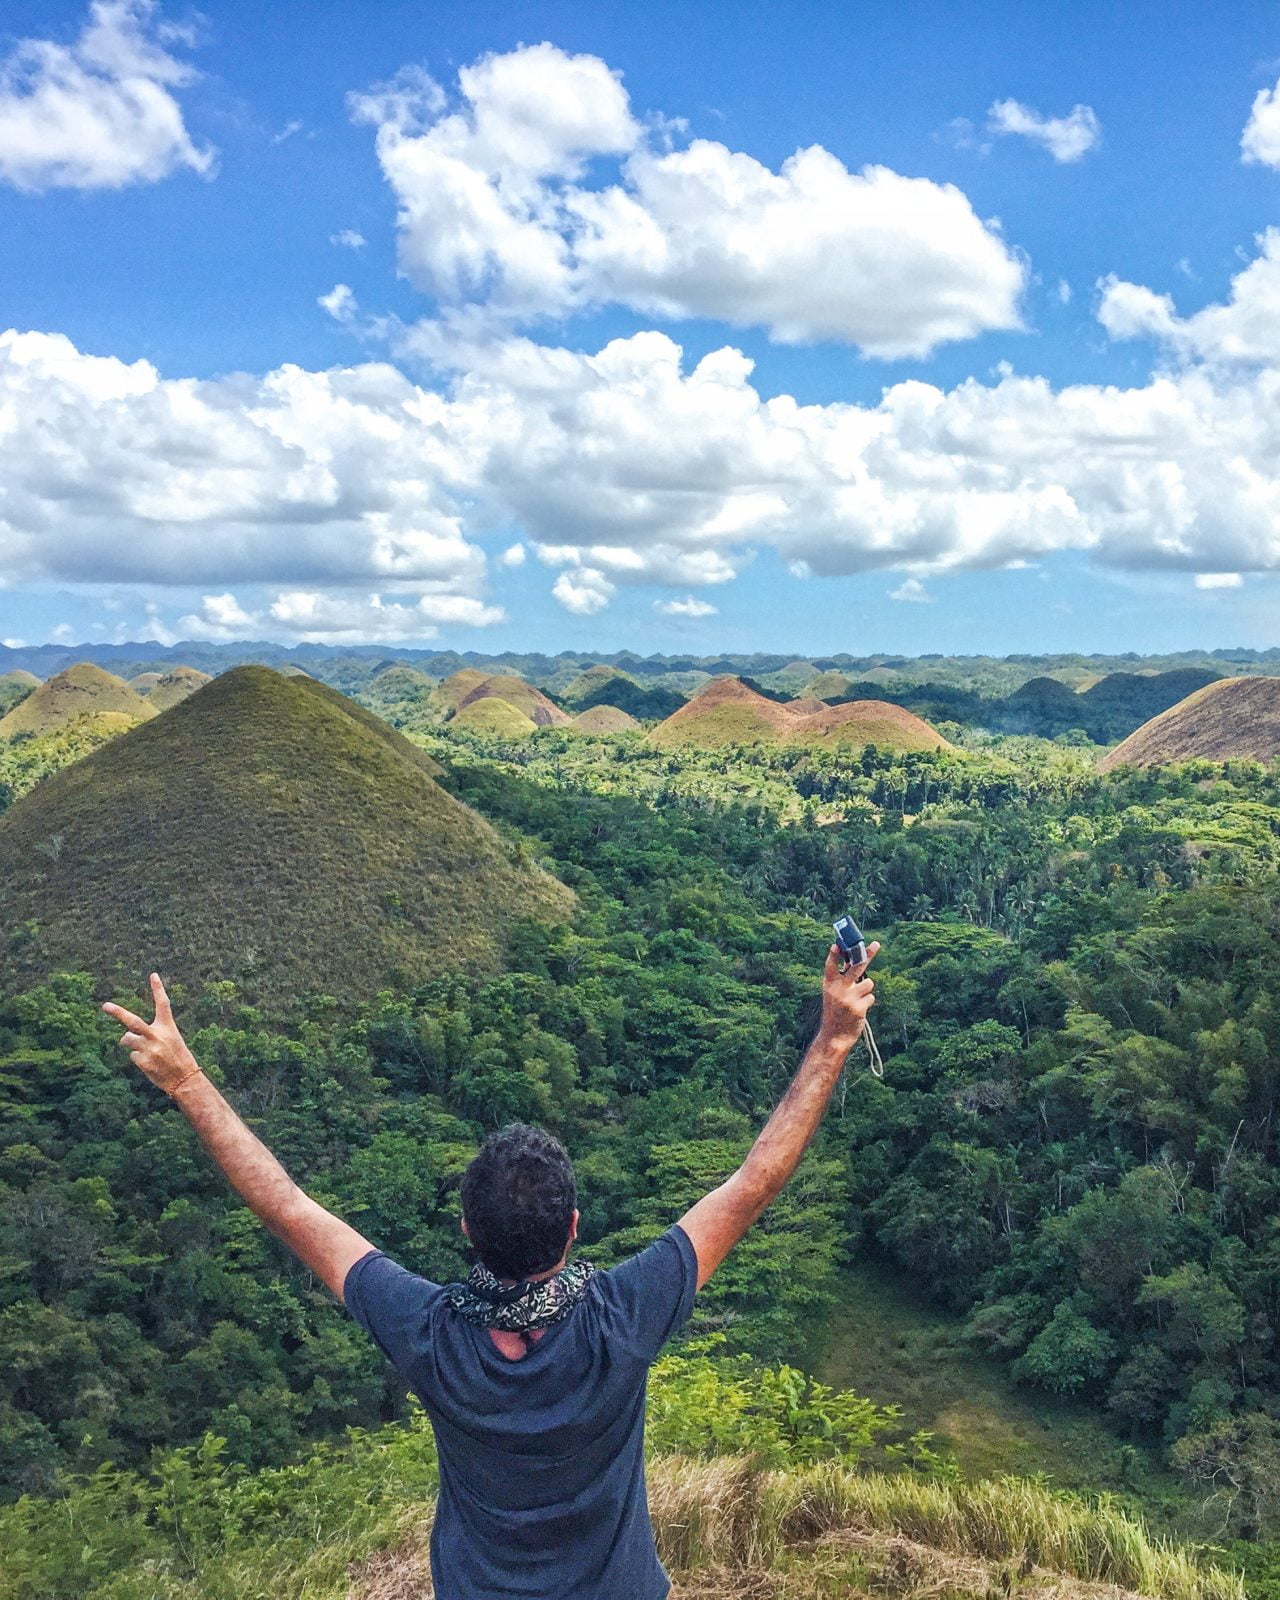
column 79, row 690
column 1226, row 720
column 264, row 831
column 730, row 712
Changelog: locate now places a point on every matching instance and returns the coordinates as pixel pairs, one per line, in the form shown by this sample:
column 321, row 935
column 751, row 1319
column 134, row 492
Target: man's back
column 541, row 1458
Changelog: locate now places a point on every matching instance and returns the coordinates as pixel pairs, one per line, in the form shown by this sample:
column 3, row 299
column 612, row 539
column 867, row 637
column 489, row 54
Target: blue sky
column 319, row 339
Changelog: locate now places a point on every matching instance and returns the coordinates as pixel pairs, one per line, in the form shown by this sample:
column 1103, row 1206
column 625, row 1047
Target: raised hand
column 157, row 1048
column 846, row 996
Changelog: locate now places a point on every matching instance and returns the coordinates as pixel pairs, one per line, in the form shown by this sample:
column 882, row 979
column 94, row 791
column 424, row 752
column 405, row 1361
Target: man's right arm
column 721, row 1218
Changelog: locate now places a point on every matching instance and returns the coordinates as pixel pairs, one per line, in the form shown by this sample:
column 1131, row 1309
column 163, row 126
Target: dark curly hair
column 518, row 1197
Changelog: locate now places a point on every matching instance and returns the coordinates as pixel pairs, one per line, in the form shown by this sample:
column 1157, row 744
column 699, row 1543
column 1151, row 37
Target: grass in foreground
column 351, row 1523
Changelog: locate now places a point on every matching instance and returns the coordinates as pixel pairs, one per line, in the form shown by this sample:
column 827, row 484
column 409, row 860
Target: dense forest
column 1073, row 1147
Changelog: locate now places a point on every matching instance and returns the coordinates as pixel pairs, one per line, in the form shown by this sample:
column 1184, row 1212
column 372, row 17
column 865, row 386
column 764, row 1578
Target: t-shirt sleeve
column 649, row 1297
column 391, row 1304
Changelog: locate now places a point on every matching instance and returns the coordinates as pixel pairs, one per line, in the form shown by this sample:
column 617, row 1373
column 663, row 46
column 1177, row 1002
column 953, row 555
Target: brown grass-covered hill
column 543, row 713
column 604, row 719
column 265, row 831
column 1234, row 717
column 449, row 694
column 144, row 682
column 493, row 718
column 729, row 712
column 80, row 690
column 175, row 686
column 20, row 676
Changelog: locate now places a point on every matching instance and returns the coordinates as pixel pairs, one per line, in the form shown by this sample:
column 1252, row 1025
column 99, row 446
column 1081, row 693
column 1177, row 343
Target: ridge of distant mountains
column 328, row 661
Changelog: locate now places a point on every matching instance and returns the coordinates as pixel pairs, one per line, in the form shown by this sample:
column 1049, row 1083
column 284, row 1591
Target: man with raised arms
column 532, row 1371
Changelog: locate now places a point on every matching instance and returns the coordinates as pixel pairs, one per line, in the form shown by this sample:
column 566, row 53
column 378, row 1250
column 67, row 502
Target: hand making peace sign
column 156, row 1047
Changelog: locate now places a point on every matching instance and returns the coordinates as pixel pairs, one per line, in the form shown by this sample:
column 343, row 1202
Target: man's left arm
column 321, row 1241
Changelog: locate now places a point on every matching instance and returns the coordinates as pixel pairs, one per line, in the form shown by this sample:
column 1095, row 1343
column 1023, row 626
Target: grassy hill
column 493, row 718
column 175, row 686
column 449, row 694
column 729, row 712
column 604, row 719
column 80, row 690
column 535, row 705
column 586, row 683
column 1234, row 717
column 264, row 830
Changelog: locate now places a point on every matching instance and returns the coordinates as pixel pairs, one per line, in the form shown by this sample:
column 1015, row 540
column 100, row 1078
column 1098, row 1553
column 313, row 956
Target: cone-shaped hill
column 543, row 713
column 493, row 718
column 262, row 831
column 604, row 719
column 728, row 711
column 588, row 681
column 175, row 686
column 1227, row 720
column 81, row 690
column 21, row 677
column 448, row 695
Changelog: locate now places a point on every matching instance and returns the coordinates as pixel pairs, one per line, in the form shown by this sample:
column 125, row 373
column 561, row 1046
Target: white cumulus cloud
column 1260, row 141
column 349, row 239
column 340, row 303
column 1218, row 580
column 1243, row 329
column 1065, row 138
column 911, row 589
column 690, row 606
column 583, row 591
column 495, row 208
column 320, row 617
column 99, row 113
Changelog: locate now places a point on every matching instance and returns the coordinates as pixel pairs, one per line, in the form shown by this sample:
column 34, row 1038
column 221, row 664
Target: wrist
column 188, row 1077
column 838, row 1037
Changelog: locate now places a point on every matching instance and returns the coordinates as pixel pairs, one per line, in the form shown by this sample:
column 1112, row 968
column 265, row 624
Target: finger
column 127, row 1017
column 133, row 1041
column 164, row 1011
column 872, row 951
column 832, row 968
column 864, row 986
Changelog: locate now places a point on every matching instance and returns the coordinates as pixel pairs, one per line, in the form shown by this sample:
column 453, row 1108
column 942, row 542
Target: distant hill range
column 729, row 712
column 264, row 830
column 1235, row 718
column 1103, row 697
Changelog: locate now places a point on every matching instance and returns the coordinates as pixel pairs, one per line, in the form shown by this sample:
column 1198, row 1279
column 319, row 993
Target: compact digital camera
column 849, row 937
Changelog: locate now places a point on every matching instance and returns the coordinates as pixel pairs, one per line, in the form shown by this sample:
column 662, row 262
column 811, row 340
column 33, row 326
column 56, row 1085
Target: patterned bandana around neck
column 522, row 1307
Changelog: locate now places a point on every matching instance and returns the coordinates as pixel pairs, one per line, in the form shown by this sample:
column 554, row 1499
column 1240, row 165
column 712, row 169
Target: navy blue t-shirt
column 542, row 1488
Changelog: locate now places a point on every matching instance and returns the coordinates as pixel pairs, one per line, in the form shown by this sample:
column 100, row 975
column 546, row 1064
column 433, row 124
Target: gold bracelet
column 174, row 1087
